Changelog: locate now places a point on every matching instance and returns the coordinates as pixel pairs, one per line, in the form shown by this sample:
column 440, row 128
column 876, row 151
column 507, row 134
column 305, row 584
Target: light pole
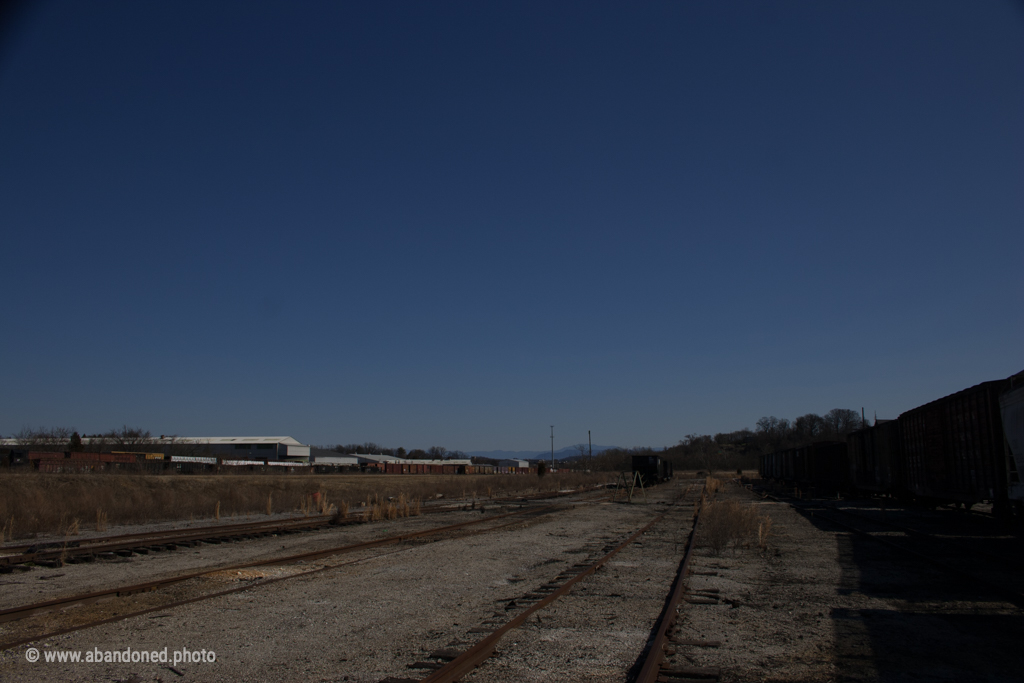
column 552, row 447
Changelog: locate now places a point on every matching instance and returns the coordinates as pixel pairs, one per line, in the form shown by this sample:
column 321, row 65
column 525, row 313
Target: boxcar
column 652, row 468
column 954, row 448
column 828, row 465
column 1011, row 404
column 875, row 462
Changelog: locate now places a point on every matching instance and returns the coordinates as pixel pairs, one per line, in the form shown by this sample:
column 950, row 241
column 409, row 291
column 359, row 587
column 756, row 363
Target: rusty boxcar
column 953, row 448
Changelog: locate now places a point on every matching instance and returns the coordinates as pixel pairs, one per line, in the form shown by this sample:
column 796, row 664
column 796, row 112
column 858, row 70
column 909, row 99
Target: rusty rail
column 90, row 547
column 483, row 649
column 1010, row 595
column 147, row 535
column 68, row 549
column 261, row 583
column 16, row 613
column 651, row 669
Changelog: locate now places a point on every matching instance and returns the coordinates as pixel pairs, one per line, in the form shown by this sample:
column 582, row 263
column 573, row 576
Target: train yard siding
column 818, row 604
column 364, row 621
column 952, row 450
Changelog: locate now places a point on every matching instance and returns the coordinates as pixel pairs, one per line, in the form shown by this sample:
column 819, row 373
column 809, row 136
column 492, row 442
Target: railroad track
column 448, row 664
column 57, row 553
column 516, row 517
column 923, row 546
column 964, row 544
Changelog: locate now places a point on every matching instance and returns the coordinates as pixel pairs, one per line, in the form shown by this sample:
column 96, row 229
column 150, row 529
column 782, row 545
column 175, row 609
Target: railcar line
column 451, row 665
column 910, row 531
column 57, row 553
column 1011, row 595
column 18, row 613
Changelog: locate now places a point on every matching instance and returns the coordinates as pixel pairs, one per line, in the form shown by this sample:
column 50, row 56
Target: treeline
column 131, row 439
column 67, row 439
column 739, row 449
column 722, row 451
column 775, row 433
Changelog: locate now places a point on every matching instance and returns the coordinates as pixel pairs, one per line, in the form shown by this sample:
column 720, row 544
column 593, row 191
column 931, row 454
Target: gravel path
column 348, row 620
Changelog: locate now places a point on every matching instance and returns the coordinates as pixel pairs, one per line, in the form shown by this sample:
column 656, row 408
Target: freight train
column 652, row 469
column 69, row 462
column 962, row 449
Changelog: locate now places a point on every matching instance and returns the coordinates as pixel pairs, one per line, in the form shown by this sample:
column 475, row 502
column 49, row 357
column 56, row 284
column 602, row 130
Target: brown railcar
column 876, row 464
column 953, row 448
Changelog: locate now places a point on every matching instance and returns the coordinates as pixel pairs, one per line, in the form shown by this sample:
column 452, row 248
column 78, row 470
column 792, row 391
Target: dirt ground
column 817, row 604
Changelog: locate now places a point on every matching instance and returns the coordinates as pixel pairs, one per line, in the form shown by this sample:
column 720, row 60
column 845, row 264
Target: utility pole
column 552, row 446
column 591, row 445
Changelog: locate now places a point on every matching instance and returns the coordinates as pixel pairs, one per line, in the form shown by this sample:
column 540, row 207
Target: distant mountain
column 560, row 454
column 504, row 455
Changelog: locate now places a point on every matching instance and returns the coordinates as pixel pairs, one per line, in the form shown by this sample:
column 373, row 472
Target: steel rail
column 66, row 549
column 484, row 648
column 144, row 535
column 651, row 668
column 179, row 536
column 16, row 613
column 249, row 586
column 910, row 531
column 1012, row 596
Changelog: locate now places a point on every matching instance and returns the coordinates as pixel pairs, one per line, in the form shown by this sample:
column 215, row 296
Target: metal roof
column 226, row 440
column 390, row 459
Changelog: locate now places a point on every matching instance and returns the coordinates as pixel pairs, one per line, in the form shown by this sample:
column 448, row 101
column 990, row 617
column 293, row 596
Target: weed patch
column 726, row 523
column 42, row 500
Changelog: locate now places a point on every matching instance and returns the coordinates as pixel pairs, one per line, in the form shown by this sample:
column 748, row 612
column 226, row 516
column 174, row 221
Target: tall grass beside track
column 725, row 523
column 32, row 503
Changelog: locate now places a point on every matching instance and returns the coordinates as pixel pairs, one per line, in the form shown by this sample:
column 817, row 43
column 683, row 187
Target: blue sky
column 460, row 223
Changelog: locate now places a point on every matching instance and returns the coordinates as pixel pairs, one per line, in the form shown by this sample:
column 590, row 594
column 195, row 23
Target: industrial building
column 513, row 463
column 245, row 447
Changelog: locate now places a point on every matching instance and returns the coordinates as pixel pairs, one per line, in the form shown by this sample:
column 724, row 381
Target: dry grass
column 377, row 508
column 41, row 501
column 764, row 530
column 69, row 526
column 724, row 523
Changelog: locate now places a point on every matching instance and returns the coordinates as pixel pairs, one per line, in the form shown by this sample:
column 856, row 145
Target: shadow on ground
column 906, row 620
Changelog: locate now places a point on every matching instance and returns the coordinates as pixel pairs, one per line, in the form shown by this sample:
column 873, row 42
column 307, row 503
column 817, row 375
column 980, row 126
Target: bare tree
column 437, row 452
column 773, row 432
column 581, row 455
column 704, row 448
column 52, row 439
column 842, row 421
column 129, row 438
column 808, row 427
